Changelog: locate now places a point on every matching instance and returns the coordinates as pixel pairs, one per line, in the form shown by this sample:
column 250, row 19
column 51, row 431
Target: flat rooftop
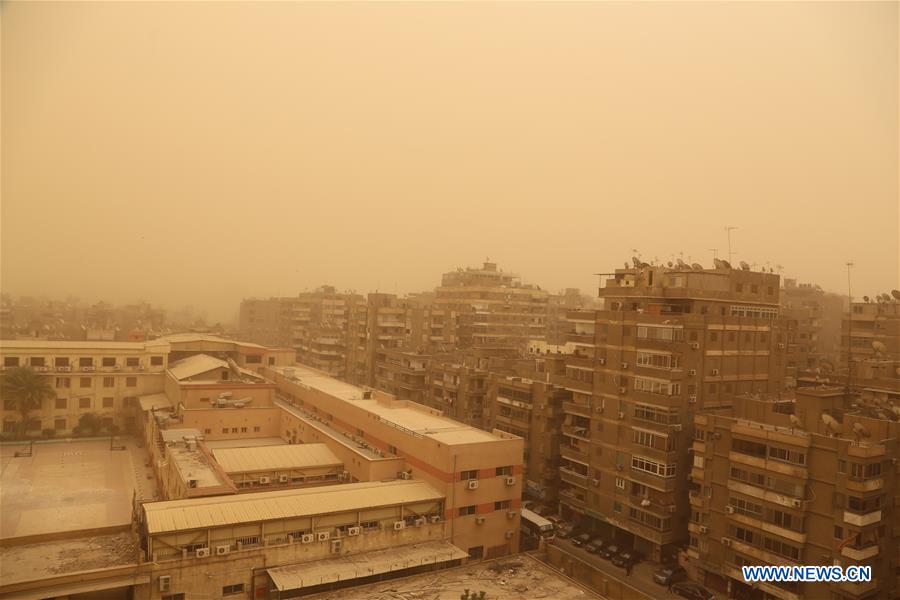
column 68, row 486
column 244, row 442
column 10, row 345
column 412, row 417
column 43, row 560
column 519, row 577
column 193, row 465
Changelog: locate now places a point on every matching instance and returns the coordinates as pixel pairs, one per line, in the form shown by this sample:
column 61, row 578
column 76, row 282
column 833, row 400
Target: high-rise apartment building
column 492, row 308
column 667, row 343
column 805, row 479
column 870, row 330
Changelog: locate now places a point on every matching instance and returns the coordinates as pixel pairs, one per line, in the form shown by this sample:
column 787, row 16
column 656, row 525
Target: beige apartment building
column 668, row 343
column 818, row 331
column 871, row 330
column 492, row 308
column 805, row 479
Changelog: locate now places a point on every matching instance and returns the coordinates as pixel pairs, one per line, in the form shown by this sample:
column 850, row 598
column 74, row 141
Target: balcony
column 573, row 477
column 574, row 384
column 582, row 433
column 864, row 485
column 575, row 454
column 581, row 339
column 862, row 520
column 569, row 497
column 861, row 552
column 665, row 484
column 578, row 409
column 856, row 589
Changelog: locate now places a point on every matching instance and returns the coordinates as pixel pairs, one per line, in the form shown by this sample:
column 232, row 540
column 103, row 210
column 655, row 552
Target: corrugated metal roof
column 268, row 458
column 365, row 564
column 196, row 365
column 151, row 401
column 220, row 511
column 51, row 345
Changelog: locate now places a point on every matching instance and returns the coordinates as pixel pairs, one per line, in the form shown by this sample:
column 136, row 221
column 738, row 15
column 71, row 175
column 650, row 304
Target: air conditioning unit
column 673, row 508
column 165, row 583
column 202, row 552
column 797, row 503
column 726, row 541
column 729, row 510
column 599, row 409
column 263, row 480
column 704, row 529
column 88, row 369
column 63, row 369
column 624, row 365
column 620, row 467
column 322, row 536
column 510, row 481
column 509, row 535
column 142, row 368
column 405, row 475
column 116, row 368
column 336, row 545
column 353, row 530
column 692, row 372
column 595, row 482
column 479, row 520
column 472, row 484
column 308, row 538
column 715, row 435
column 511, row 514
column 421, row 521
column 781, row 346
column 715, row 372
column 601, row 361
column 622, row 390
column 692, row 399
column 222, row 550
column 676, row 427
column 398, row 525
column 435, row 518
column 621, row 415
column 42, row 368
column 695, row 346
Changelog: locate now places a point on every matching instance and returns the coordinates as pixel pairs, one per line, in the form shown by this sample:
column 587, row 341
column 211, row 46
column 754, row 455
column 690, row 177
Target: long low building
column 285, row 464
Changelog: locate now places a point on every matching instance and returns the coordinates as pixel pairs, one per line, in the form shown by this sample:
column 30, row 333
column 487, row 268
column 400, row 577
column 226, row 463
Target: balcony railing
column 578, row 409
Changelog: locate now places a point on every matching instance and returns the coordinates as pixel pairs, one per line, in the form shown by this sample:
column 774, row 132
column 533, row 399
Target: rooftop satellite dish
column 895, row 294
column 682, row 264
column 636, row 261
column 745, row 266
column 886, row 297
column 645, row 265
column 626, row 265
column 670, row 264
column 726, row 264
column 866, row 298
column 860, row 430
column 879, row 347
column 831, row 423
column 717, row 263
column 697, row 266
column 796, row 422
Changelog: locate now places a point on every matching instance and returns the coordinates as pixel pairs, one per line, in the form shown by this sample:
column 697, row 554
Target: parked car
column 564, row 530
column 627, row 557
column 669, row 574
column 692, row 591
column 609, row 551
column 581, row 539
column 596, row 545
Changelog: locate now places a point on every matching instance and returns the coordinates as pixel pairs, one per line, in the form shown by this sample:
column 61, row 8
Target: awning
column 153, row 401
column 354, row 566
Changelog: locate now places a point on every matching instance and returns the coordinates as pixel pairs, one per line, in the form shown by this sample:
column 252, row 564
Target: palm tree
column 25, row 389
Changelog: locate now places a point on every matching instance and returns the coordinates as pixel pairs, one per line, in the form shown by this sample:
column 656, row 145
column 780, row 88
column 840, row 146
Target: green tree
column 90, row 423
column 24, row 390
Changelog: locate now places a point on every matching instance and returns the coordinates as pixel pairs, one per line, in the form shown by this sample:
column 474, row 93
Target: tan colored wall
column 212, row 421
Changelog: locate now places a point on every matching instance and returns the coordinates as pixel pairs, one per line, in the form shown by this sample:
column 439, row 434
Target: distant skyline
column 200, row 153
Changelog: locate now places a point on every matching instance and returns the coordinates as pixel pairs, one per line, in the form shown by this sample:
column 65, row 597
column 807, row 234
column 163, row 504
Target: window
column 646, row 465
column 652, row 440
column 59, row 424
column 84, row 382
column 63, row 382
column 207, row 431
column 250, row 540
column 61, row 361
column 256, row 429
column 502, row 505
column 665, row 334
column 85, row 361
column 838, row 532
column 863, row 471
column 156, row 361
column 713, row 336
column 781, row 548
column 745, row 535
column 655, row 414
column 656, row 386
column 237, row 588
column 108, row 361
column 109, row 382
column 36, row 361
column 658, row 361
column 254, row 359
column 739, row 287
column 504, row 471
column 61, row 403
column 132, row 361
column 234, row 430
column 755, row 312
column 746, row 507
column 243, row 430
column 466, row 510
column 788, row 456
column 224, row 430
column 468, row 475
column 131, row 382
column 748, row 447
column 620, row 483
column 107, row 402
column 84, row 403
column 785, row 520
column 10, row 361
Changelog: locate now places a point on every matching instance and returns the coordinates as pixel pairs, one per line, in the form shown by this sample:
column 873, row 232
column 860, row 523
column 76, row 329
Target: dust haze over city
column 449, row 300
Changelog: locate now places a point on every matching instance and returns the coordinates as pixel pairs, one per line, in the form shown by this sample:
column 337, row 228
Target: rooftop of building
column 33, row 344
column 201, row 513
column 513, row 578
column 196, row 365
column 404, row 415
column 274, row 458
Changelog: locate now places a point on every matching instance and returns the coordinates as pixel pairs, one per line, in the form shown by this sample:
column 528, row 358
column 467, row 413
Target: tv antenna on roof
column 715, row 252
column 728, row 231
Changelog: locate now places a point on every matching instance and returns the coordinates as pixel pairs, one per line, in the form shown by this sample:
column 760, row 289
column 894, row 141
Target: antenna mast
column 728, row 231
column 849, row 331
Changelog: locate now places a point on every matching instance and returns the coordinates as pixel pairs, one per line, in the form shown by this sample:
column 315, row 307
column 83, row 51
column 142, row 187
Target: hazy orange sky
column 198, row 153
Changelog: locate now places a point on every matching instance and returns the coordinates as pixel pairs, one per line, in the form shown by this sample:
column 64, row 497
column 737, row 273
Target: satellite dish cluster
column 885, row 298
